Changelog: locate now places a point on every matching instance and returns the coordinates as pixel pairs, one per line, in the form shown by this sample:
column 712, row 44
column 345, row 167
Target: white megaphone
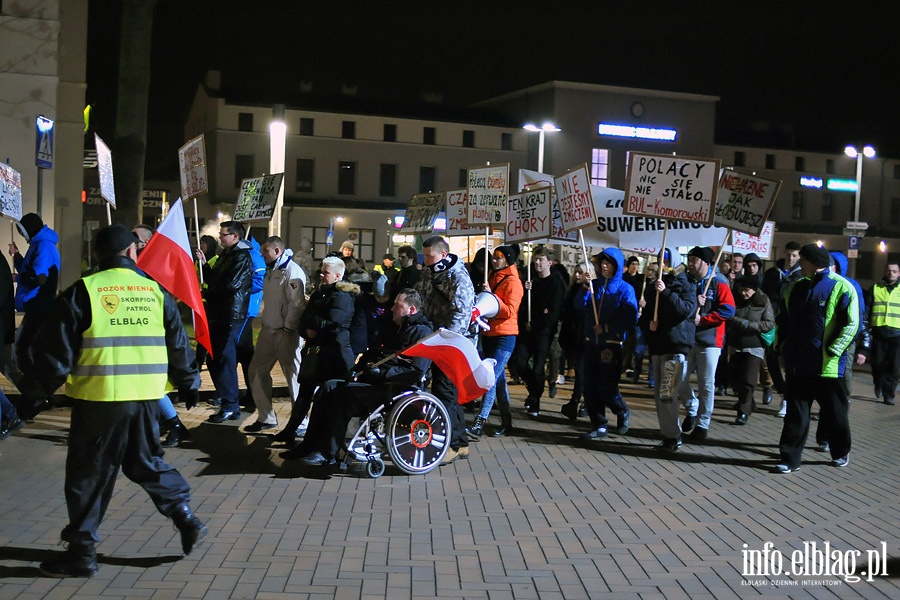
column 486, row 306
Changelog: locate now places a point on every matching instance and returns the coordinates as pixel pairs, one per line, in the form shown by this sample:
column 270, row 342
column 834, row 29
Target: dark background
column 790, row 75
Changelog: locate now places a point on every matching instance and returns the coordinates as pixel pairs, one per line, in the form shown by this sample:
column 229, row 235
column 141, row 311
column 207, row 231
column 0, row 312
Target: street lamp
column 852, row 152
column 546, row 127
column 277, row 141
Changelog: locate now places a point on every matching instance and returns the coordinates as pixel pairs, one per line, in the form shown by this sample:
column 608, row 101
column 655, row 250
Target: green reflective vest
column 885, row 307
column 123, row 353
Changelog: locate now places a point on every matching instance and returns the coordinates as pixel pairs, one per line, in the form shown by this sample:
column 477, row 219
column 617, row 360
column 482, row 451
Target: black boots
column 570, row 410
column 505, row 426
column 177, row 433
column 79, row 560
column 476, row 429
column 192, row 530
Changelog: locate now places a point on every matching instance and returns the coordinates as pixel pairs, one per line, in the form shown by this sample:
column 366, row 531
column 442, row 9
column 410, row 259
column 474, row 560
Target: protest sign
column 105, row 170
column 528, row 215
column 421, row 213
column 576, row 204
column 488, row 190
column 666, row 186
column 744, row 201
column 258, row 198
column 192, row 164
column 10, row 192
column 457, row 215
column 760, row 245
column 529, row 180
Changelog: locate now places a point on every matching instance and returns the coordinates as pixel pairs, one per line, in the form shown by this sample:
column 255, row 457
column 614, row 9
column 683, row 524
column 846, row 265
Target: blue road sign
column 853, row 242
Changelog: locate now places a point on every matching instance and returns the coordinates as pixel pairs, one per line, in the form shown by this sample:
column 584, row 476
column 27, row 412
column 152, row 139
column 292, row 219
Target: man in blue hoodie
column 37, row 280
column 609, row 311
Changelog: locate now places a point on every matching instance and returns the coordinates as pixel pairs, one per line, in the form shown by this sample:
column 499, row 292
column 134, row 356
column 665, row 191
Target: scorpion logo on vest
column 110, row 302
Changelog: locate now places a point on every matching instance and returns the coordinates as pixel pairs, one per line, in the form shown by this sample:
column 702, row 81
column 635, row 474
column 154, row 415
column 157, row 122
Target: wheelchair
column 413, row 428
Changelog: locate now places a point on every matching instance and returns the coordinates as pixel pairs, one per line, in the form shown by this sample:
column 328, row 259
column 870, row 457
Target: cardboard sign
column 529, row 180
column 258, row 198
column 105, row 170
column 488, row 190
column 458, row 215
column 760, row 245
column 528, row 216
column 421, row 213
column 678, row 188
column 10, row 192
column 576, row 204
column 192, row 164
column 745, row 201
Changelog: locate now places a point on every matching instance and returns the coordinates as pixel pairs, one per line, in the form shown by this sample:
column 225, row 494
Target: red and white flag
column 167, row 259
column 456, row 356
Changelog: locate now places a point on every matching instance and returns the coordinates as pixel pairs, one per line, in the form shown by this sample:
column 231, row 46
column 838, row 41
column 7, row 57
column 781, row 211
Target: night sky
column 792, row 75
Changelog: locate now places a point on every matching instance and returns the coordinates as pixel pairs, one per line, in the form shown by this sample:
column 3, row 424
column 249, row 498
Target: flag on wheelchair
column 457, row 356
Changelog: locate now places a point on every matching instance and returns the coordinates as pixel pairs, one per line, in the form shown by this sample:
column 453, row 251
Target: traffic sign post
column 853, row 246
column 43, row 154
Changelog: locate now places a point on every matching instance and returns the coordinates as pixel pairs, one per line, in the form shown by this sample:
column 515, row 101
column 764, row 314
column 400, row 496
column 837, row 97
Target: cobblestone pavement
column 537, row 514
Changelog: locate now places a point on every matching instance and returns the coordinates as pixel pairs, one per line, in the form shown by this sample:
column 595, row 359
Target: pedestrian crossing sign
column 44, row 143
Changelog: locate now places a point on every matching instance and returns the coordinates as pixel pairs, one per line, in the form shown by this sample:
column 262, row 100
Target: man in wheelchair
column 380, row 373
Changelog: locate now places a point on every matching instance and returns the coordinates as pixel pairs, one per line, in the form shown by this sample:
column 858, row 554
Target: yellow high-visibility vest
column 123, row 353
column 885, row 307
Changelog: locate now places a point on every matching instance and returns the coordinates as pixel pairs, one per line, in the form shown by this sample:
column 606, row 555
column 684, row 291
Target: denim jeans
column 500, row 348
column 168, row 411
column 223, row 368
column 703, row 361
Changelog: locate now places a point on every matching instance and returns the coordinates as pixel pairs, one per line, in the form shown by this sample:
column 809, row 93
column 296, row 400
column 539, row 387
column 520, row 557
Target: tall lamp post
column 543, row 129
column 852, row 152
column 277, row 141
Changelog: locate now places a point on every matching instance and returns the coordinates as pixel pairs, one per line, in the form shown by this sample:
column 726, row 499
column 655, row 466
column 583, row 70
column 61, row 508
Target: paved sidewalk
column 538, row 514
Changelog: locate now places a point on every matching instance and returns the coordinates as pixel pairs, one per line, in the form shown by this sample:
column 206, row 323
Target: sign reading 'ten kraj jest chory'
column 666, row 186
column 488, row 190
column 528, row 216
column 421, row 213
column 745, row 201
column 258, row 198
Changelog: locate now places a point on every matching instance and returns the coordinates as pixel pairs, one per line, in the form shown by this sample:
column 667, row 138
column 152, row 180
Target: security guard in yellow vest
column 115, row 338
column 884, row 319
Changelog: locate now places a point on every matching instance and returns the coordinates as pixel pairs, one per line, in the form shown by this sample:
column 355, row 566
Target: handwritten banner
column 421, row 213
column 105, row 170
column 488, row 190
column 528, row 216
column 10, row 192
column 576, row 204
column 745, row 201
column 760, row 245
column 457, row 215
column 258, row 198
column 192, row 164
column 529, row 180
column 677, row 188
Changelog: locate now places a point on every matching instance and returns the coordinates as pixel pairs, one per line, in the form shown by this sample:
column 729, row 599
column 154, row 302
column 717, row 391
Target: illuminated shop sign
column 842, row 185
column 630, row 131
column 812, row 182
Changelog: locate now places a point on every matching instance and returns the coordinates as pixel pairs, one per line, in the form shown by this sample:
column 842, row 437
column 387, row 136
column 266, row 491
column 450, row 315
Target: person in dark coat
column 753, row 315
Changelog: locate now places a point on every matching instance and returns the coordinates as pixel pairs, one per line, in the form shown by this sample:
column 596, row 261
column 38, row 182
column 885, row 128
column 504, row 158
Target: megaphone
column 486, row 306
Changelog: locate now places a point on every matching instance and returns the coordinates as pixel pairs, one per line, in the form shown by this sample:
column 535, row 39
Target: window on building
column 827, row 207
column 387, row 181
column 740, row 159
column 318, row 239
column 346, row 177
column 364, row 244
column 468, row 138
column 770, row 161
column 307, row 126
column 895, row 211
column 829, row 166
column 348, row 130
column 243, row 168
column 463, row 178
column 506, row 141
column 390, row 132
column 600, row 166
column 429, row 136
column 797, row 205
column 427, row 177
column 305, row 174
column 799, row 163
column 245, row 121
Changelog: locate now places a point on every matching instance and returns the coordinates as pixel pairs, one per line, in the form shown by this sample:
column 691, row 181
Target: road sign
column 853, row 242
column 857, row 225
column 43, row 152
column 855, row 232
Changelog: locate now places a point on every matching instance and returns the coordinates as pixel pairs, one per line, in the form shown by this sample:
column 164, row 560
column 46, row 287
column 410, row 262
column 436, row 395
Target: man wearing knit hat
column 817, row 321
column 715, row 306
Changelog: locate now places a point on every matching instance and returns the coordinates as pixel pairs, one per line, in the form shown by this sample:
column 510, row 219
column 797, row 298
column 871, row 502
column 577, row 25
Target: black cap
column 388, row 256
column 510, row 252
column 704, row 253
column 113, row 239
column 818, row 256
column 632, row 259
column 747, row 281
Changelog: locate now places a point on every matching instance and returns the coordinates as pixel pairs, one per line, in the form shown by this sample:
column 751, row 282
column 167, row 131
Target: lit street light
column 546, row 127
column 852, row 152
column 277, row 141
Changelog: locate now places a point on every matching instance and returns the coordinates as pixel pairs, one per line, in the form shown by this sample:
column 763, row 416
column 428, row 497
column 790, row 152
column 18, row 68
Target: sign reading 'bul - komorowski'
column 666, row 186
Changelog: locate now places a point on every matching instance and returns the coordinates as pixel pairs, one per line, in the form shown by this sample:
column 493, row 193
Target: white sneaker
column 783, row 411
column 560, row 380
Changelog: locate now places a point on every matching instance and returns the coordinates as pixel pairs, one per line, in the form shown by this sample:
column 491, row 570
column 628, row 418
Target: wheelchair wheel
column 375, row 468
column 418, row 432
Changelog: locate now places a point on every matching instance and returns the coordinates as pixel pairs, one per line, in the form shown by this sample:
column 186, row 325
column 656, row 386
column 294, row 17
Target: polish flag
column 167, row 259
column 456, row 356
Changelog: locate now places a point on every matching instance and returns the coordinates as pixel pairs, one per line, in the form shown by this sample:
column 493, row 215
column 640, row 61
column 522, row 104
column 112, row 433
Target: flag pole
column 108, row 214
column 662, row 264
column 487, row 251
column 588, row 273
column 197, row 235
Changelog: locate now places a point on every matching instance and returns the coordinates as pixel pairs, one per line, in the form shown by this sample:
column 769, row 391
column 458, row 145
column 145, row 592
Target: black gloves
column 190, row 397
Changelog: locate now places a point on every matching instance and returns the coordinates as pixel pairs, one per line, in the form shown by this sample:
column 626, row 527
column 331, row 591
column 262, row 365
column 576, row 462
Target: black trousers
column 885, row 364
column 603, row 371
column 531, row 365
column 444, row 390
column 106, row 436
column 744, row 369
column 834, row 416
